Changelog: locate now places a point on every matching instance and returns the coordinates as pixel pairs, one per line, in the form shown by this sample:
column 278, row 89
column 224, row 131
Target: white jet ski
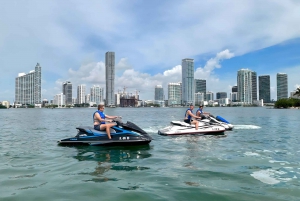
column 218, row 120
column 182, row 128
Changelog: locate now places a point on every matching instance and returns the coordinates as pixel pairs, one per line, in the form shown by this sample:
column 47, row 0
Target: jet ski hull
column 122, row 135
column 182, row 128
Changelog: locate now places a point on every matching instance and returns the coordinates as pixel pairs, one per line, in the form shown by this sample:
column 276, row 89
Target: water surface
column 258, row 160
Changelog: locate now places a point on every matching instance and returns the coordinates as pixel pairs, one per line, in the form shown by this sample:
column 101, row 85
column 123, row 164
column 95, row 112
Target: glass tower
column 282, row 86
column 244, row 83
column 200, row 86
column 159, row 93
column 67, row 91
column 110, row 78
column 188, row 90
column 264, row 88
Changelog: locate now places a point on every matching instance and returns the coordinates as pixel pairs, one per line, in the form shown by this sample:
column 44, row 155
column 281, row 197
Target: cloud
column 61, row 35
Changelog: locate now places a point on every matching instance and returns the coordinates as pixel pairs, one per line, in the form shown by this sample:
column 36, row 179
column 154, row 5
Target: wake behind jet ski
column 122, row 134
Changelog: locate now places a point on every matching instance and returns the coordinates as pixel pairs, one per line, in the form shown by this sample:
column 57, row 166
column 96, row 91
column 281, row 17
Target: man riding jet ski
column 191, row 126
column 121, row 134
column 206, row 117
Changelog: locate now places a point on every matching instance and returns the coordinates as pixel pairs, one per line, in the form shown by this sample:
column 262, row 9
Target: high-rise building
column 254, row 86
column 200, row 86
column 59, row 100
column 174, row 94
column 67, row 91
column 188, row 90
column 110, row 78
column 221, row 95
column 159, row 93
column 282, row 85
column 234, row 89
column 264, row 88
column 28, row 87
column 97, row 94
column 244, row 83
column 209, row 96
column 234, row 94
column 199, row 98
column 81, row 94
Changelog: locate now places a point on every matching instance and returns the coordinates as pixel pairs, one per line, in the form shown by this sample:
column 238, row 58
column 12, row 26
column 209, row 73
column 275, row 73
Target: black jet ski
column 122, row 134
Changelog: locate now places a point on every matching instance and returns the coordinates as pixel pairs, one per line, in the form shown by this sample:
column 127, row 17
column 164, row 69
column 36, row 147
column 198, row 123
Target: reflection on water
column 112, row 159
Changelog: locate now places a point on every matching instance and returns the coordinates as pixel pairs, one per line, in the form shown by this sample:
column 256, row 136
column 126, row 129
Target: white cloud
column 62, row 34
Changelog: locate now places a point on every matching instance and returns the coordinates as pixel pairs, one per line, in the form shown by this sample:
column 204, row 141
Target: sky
column 150, row 38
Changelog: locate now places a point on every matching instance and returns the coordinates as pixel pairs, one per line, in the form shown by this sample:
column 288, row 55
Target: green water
column 258, row 160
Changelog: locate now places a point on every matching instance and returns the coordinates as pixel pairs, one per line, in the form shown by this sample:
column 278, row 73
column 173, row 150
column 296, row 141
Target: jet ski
column 182, row 128
column 122, row 134
column 218, row 120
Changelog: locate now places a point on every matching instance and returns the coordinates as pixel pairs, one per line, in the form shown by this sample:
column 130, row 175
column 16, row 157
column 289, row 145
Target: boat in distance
column 182, row 128
column 122, row 134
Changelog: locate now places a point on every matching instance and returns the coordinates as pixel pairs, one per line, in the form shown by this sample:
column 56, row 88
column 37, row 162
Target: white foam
column 280, row 162
column 251, row 154
column 265, row 176
column 244, row 127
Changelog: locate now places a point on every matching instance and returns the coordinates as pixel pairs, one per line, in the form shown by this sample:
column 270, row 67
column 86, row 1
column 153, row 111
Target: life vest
column 199, row 110
column 102, row 115
column 187, row 116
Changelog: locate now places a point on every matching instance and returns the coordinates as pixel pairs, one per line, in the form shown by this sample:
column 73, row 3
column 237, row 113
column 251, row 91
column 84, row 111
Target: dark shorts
column 97, row 127
column 187, row 121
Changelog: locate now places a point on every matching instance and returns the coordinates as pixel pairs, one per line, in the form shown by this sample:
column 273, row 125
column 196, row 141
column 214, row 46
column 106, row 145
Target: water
column 258, row 160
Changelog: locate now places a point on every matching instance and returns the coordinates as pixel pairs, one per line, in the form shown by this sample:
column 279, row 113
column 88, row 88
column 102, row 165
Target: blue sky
column 150, row 38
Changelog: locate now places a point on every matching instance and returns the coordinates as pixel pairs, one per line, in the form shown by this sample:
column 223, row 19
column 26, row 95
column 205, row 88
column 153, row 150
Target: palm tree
column 297, row 93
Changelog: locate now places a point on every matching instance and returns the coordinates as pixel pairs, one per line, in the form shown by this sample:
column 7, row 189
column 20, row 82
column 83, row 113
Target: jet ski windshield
column 131, row 126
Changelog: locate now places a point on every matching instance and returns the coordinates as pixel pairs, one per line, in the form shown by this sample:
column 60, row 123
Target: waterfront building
column 244, row 83
column 67, row 91
column 97, row 94
column 199, row 98
column 209, row 96
column 264, row 88
column 110, row 78
column 59, row 100
column 117, row 99
column 159, row 93
column 174, row 94
column 254, row 86
column 200, row 86
column 81, row 94
column 74, row 101
column 234, row 89
column 188, row 90
column 223, row 101
column 87, row 98
column 234, row 96
column 28, row 87
column 282, row 86
column 221, row 95
column 5, row 103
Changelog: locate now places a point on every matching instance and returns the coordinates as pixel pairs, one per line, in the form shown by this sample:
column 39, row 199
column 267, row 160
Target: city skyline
column 148, row 50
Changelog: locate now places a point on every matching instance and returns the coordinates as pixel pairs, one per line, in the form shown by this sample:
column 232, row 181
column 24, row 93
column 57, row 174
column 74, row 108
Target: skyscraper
column 264, row 88
column 97, row 94
column 221, row 95
column 282, row 85
column 67, row 91
column 200, row 86
column 174, row 94
column 28, row 87
column 254, row 86
column 188, row 89
column 244, row 83
column 81, row 94
column 110, row 78
column 209, row 96
column 159, row 93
